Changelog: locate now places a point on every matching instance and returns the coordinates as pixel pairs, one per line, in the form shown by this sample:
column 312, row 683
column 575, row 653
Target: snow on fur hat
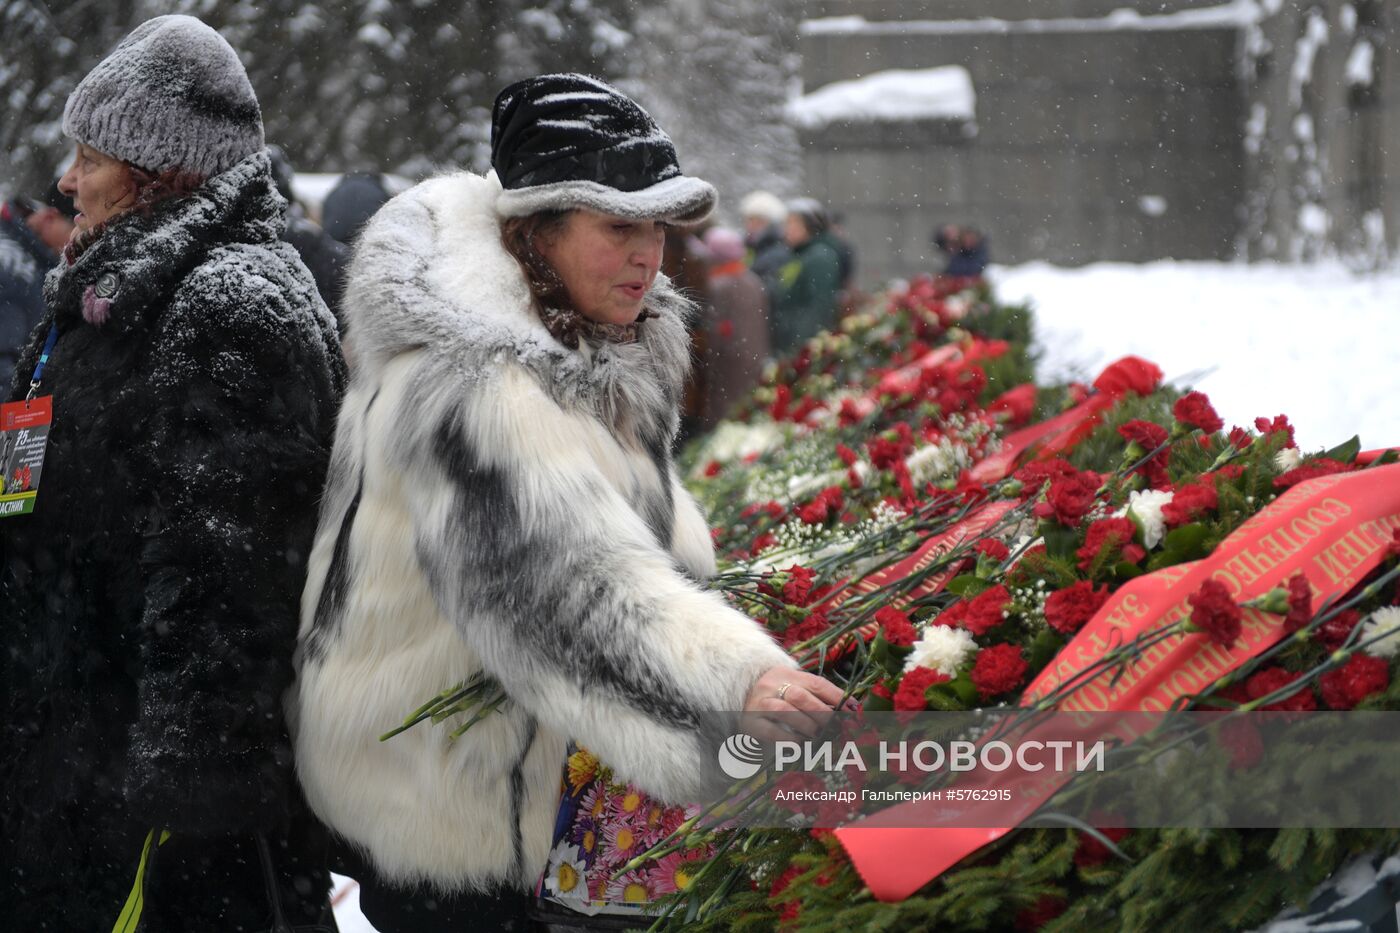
column 171, row 95
column 567, row 141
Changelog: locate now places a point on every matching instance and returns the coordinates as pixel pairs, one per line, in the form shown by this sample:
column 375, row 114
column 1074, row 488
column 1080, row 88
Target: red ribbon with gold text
column 1333, row 529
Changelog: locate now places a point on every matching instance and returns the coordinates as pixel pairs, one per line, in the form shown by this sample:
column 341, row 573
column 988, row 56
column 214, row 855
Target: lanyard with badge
column 24, row 435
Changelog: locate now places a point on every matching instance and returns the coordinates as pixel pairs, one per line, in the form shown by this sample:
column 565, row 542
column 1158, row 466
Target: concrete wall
column 1075, row 128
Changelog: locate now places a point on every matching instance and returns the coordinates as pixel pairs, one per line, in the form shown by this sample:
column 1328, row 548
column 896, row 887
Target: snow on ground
column 932, row 93
column 1318, row 343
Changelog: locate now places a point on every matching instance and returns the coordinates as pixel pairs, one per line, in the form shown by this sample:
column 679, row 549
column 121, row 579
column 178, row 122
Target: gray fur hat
column 171, row 95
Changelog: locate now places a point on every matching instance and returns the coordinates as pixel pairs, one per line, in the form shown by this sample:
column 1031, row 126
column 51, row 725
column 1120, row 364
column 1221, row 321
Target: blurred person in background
column 764, row 214
column 685, row 261
column 32, row 234
column 810, row 282
column 736, row 327
column 351, row 203
column 150, row 598
column 323, row 255
column 965, row 248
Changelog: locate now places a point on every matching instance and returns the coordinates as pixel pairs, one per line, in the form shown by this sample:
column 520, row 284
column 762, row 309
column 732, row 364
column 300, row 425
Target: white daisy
column 564, row 877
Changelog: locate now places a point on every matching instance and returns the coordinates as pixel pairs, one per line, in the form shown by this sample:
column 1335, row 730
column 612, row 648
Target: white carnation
column 1288, row 459
column 804, row 486
column 1386, row 619
column 943, row 648
column 936, row 461
column 733, row 441
column 1147, row 506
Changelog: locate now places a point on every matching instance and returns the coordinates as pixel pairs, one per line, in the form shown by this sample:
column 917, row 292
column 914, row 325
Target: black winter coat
column 150, row 601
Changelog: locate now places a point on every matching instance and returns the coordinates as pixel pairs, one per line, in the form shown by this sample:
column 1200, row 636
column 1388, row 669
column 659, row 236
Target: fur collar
column 430, row 272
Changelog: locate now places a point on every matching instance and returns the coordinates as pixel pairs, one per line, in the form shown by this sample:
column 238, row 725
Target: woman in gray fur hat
column 149, row 600
column 502, row 504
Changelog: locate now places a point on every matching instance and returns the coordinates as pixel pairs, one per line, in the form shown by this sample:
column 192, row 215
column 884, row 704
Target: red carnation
column 896, row 627
column 999, row 669
column 993, row 549
column 1190, row 502
column 1215, row 613
column 810, row 627
column 1146, row 437
column 1070, row 498
column 1279, row 424
column 1130, row 374
column 912, row 687
column 1273, row 679
column 847, row 455
column 713, row 468
column 1068, row 609
column 953, row 616
column 1035, row 474
column 1354, row 681
column 1312, row 470
column 1194, row 411
column 782, row 397
column 797, row 590
column 1112, row 537
column 985, row 612
column 765, row 540
column 829, row 501
column 1240, row 439
column 1145, row 434
column 1300, row 610
column 1335, row 631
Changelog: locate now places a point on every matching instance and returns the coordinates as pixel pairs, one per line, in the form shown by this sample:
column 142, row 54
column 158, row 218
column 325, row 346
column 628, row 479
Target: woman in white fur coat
column 502, row 501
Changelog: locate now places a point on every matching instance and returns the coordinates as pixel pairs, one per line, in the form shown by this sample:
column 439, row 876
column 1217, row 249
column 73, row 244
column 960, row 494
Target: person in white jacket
column 502, row 502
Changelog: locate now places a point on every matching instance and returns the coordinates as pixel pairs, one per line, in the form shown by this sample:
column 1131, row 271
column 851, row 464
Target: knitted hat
column 724, row 245
column 171, row 95
column 763, row 204
column 568, row 141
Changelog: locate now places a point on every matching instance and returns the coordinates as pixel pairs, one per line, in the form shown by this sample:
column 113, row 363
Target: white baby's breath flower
column 1383, row 620
column 942, row 648
column 1147, row 505
column 1288, row 459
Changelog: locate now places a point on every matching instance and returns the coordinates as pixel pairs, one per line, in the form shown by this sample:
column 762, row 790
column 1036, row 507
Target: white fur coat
column 500, row 503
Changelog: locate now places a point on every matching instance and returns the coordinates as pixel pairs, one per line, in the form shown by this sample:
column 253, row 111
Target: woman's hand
column 785, row 700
